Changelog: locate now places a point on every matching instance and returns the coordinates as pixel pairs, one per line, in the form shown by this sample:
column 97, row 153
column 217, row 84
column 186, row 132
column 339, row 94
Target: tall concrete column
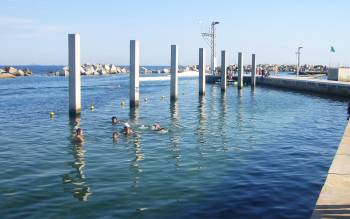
column 253, row 72
column 174, row 71
column 74, row 74
column 201, row 71
column 240, row 70
column 134, row 73
column 223, row 71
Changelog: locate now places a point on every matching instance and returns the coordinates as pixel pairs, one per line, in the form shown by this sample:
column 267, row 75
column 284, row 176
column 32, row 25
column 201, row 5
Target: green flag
column 332, row 49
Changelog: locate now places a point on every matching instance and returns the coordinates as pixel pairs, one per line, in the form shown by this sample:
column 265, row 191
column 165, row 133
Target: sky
column 36, row 31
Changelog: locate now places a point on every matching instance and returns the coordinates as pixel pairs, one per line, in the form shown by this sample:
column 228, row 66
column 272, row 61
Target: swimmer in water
column 114, row 120
column 115, row 136
column 79, row 137
column 156, row 127
column 127, row 129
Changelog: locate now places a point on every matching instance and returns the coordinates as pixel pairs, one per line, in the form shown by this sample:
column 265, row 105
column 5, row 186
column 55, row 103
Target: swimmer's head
column 115, row 135
column 79, row 131
column 114, row 119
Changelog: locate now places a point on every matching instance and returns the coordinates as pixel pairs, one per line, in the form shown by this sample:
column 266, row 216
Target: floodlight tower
column 209, row 37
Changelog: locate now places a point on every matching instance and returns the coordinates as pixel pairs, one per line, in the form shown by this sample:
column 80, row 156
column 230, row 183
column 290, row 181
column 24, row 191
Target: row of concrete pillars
column 75, row 83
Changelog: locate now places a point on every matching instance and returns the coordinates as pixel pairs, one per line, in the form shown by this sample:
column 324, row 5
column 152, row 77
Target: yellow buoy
column 52, row 114
column 122, row 103
column 92, row 107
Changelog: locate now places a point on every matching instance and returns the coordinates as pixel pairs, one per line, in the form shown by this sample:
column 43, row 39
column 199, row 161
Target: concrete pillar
column 134, row 73
column 201, row 71
column 240, row 70
column 74, row 74
column 223, row 71
column 253, row 72
column 174, row 71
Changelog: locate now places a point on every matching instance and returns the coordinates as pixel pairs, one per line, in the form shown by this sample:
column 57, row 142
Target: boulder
column 27, row 72
column 63, row 73
column 19, row 73
column 113, row 69
column 10, row 70
column 89, row 70
column 124, row 70
column 166, row 70
column 106, row 68
column 7, row 75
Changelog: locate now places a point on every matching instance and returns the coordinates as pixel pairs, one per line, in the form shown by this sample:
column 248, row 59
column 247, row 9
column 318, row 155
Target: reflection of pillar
column 134, row 113
column 74, row 74
column 74, row 181
column 173, row 134
column 202, row 119
column 240, row 71
column 201, row 71
column 223, row 70
column 134, row 73
column 174, row 71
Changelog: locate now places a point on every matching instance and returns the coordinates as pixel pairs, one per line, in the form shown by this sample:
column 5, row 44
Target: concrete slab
column 340, row 165
column 334, row 201
column 344, row 147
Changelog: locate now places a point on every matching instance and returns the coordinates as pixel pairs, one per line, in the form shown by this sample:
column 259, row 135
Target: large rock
column 64, row 72
column 7, row 75
column 27, row 72
column 113, row 69
column 106, row 68
column 89, row 70
column 10, row 70
column 19, row 73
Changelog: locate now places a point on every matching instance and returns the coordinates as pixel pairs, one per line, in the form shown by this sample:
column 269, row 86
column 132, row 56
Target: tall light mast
column 209, row 37
column 298, row 53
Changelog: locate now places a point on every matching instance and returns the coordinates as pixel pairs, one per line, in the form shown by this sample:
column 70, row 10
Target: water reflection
column 135, row 141
column 239, row 109
column 202, row 119
column 223, row 121
column 174, row 134
column 74, row 181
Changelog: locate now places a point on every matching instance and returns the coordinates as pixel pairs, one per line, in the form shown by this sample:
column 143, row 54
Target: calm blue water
column 262, row 154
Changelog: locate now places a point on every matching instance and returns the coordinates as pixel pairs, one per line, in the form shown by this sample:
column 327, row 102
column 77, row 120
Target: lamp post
column 298, row 53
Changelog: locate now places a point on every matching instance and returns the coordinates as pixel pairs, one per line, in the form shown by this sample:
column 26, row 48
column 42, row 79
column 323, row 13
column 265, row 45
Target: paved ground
column 334, row 199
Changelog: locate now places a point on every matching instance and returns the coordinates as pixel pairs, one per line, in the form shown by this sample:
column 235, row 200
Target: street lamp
column 298, row 53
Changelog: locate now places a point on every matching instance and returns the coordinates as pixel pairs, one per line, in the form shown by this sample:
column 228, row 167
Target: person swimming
column 127, row 130
column 115, row 136
column 158, row 128
column 114, row 120
column 79, row 137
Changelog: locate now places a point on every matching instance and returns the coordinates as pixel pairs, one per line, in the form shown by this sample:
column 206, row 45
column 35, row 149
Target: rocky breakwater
column 93, row 69
column 11, row 72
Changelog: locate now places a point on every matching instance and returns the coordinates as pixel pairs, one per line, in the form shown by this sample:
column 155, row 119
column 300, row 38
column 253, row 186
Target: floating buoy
column 145, row 99
column 52, row 114
column 92, row 107
column 162, row 97
column 235, row 83
column 122, row 103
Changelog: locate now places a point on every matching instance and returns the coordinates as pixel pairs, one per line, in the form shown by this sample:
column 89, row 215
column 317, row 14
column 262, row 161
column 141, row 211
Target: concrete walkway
column 334, row 199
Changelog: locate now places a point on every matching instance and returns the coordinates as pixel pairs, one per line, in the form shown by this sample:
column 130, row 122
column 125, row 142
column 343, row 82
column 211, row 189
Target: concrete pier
column 334, row 199
column 223, row 71
column 337, row 88
column 174, row 72
column 201, row 71
column 74, row 74
column 134, row 73
column 253, row 72
column 240, row 71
